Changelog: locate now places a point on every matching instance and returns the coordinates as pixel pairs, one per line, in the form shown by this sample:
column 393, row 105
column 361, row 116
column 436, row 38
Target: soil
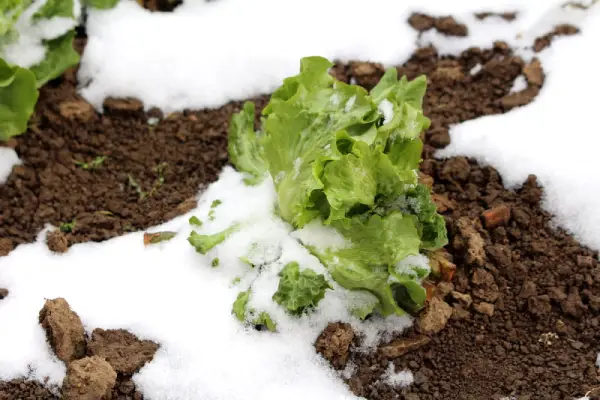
column 525, row 297
column 151, row 171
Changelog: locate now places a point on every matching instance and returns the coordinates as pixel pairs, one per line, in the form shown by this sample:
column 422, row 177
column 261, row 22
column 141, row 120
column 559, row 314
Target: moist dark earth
column 529, row 329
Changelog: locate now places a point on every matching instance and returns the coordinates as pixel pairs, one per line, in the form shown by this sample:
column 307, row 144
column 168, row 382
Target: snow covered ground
column 205, row 54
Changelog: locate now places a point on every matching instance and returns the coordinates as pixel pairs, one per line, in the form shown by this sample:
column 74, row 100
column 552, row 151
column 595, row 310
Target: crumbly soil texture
column 525, row 297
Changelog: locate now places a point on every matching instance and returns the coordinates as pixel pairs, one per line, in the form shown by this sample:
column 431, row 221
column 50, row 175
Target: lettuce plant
column 348, row 158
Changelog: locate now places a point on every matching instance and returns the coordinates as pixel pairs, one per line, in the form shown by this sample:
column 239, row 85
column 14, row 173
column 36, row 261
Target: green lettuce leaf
column 55, row 8
column 245, row 314
column 18, row 95
column 60, row 55
column 10, row 11
column 205, row 243
column 101, row 4
column 245, row 149
column 240, row 305
column 300, row 291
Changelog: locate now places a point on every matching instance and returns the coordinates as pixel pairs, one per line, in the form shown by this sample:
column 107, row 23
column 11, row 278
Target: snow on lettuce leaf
column 60, row 55
column 18, row 95
column 10, row 10
column 245, row 314
column 55, row 8
column 300, row 291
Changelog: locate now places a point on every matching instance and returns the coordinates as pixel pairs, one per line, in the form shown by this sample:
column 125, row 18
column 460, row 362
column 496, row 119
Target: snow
column 552, row 137
column 8, row 159
column 519, row 84
column 387, row 109
column 170, row 294
column 397, row 379
column 191, row 59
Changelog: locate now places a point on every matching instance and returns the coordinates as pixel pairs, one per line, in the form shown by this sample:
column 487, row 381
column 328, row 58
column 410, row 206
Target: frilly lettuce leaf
column 245, row 149
column 18, row 95
column 10, row 10
column 55, row 8
column 300, row 291
column 204, row 243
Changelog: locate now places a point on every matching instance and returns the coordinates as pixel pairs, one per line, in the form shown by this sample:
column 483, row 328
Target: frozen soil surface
column 529, row 325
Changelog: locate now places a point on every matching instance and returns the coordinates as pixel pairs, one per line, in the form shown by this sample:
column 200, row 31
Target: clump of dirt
column 64, row 330
column 29, row 390
column 89, row 378
column 334, row 343
column 508, row 16
column 445, row 25
column 561, row 30
column 121, row 349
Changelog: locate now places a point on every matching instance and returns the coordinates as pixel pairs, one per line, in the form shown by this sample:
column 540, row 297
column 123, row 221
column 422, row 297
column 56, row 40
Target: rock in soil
column 64, row 330
column 90, row 378
column 121, row 349
column 334, row 343
column 434, row 318
column 57, row 241
column 469, row 241
column 400, row 347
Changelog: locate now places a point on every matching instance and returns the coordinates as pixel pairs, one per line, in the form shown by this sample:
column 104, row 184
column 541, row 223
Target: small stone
column 534, row 73
column 123, row 106
column 459, row 313
column 360, row 69
column 465, row 300
column 334, row 343
column 495, row 217
column 421, row 22
column 64, row 330
column 484, row 308
column 435, row 317
column 3, row 293
column 399, row 347
column 90, row 378
column 79, row 110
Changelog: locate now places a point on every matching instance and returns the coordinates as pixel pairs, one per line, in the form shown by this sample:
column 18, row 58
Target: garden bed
column 529, row 326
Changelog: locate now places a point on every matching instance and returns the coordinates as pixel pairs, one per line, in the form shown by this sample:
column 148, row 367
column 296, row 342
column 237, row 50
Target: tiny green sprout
column 215, row 262
column 95, row 163
column 195, row 221
column 67, row 227
column 133, row 183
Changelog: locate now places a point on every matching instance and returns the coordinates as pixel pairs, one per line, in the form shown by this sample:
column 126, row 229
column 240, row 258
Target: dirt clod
column 3, row 293
column 421, row 22
column 534, row 72
column 90, row 378
column 79, row 110
column 400, row 347
column 121, row 349
column 334, row 343
column 463, row 299
column 496, row 216
column 484, row 308
column 57, row 241
column 469, row 241
column 64, row 330
column 435, row 316
column 450, row 27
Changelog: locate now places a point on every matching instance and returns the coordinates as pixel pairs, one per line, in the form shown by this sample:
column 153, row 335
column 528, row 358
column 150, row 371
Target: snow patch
column 8, row 159
column 519, row 84
column 397, row 379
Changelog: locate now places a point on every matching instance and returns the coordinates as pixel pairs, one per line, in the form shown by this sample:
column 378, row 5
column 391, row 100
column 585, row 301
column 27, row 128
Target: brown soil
column 151, row 173
column 525, row 297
